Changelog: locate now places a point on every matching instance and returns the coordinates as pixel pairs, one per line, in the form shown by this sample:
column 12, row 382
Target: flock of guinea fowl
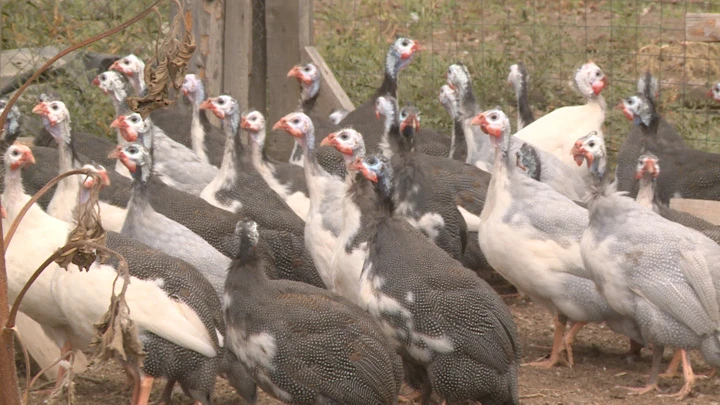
column 355, row 266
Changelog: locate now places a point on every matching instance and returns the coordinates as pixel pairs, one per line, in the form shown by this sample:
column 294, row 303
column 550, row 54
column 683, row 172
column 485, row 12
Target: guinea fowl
column 362, row 118
column 204, row 138
column 648, row 169
column 650, row 131
column 655, row 271
column 57, row 122
column 479, row 152
column 557, row 131
column 176, row 329
column 544, row 229
column 238, row 187
column 456, row 336
column 286, row 179
column 148, row 226
column 449, row 99
column 175, row 164
column 325, row 216
column 302, row 344
column 427, row 141
column 518, row 77
column 714, row 92
column 554, row 172
column 425, row 200
column 134, row 69
column 308, row 75
column 112, row 84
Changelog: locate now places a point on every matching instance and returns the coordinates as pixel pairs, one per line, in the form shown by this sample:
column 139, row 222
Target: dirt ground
column 599, row 369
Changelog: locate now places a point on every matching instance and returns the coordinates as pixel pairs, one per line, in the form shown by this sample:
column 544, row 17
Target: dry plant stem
column 30, row 383
column 48, row 186
column 66, row 51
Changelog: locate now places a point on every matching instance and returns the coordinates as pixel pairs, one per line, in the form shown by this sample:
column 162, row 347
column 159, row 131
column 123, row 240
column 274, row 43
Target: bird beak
column 296, row 72
column 377, row 114
column 96, row 81
column 41, row 108
column 599, row 85
column 27, row 157
column 329, row 140
column 478, row 119
column 3, row 213
column 417, row 47
column 119, row 123
column 368, row 174
column 245, row 124
column 117, row 66
column 579, row 154
column 621, row 107
column 208, row 105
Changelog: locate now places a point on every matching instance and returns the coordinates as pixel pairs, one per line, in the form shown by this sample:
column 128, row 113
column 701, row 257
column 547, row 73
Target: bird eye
column 134, row 119
column 591, row 144
column 132, row 150
column 221, row 101
column 253, row 118
column 15, row 152
column 372, row 161
column 493, row 117
column 630, row 101
column 127, row 62
column 296, row 121
column 306, row 69
column 103, row 77
column 598, row 74
column 405, row 43
column 54, row 106
column 344, row 136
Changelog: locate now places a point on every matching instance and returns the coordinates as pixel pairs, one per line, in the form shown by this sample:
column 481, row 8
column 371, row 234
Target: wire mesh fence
column 553, row 38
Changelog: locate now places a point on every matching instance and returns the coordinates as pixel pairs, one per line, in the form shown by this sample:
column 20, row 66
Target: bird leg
column 64, row 350
column 133, row 374
column 166, row 397
column 146, row 383
column 672, row 370
column 687, row 373
column 654, row 371
column 560, row 321
column 570, row 339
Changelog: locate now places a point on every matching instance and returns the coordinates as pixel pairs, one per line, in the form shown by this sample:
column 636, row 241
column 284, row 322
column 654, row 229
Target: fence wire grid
column 552, row 38
column 624, row 37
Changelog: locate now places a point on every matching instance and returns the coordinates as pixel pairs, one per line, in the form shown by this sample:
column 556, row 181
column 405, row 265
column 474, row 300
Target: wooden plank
column 332, row 96
column 257, row 97
column 208, row 27
column 238, row 42
column 702, row 27
column 706, row 209
column 287, row 24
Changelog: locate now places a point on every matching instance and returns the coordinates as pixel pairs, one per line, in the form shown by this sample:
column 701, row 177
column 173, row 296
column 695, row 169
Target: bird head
column 130, row 126
column 347, row 141
column 222, row 106
column 590, row 80
column 296, row 124
column 647, row 164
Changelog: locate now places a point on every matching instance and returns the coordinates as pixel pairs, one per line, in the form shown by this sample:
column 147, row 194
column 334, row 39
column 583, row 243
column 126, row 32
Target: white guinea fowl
column 134, row 69
column 557, row 131
column 714, row 92
column 68, row 303
column 286, row 179
column 112, row 84
column 325, row 216
column 57, row 122
column 174, row 163
column 660, row 273
column 308, row 76
column 531, row 234
column 647, row 170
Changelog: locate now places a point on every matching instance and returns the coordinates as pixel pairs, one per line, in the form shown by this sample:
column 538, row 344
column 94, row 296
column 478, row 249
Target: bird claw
column 548, row 363
column 640, row 390
column 682, row 394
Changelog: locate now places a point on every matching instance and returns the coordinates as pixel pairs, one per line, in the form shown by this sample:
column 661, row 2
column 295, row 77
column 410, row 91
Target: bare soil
column 599, row 370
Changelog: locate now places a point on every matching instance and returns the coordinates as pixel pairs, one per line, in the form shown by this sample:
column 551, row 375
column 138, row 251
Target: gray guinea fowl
column 456, row 336
column 301, row 344
column 662, row 274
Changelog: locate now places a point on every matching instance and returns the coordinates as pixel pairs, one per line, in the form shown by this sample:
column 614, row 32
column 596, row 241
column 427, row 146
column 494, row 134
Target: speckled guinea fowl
column 204, row 138
column 424, row 199
column 238, row 186
column 57, row 122
column 650, row 132
column 286, row 179
column 304, row 345
column 450, row 101
column 68, row 302
column 158, row 231
column 362, row 119
column 456, row 336
column 518, row 78
column 427, row 141
column 531, row 234
column 325, row 215
column 662, row 274
column 479, row 152
column 648, row 168
column 175, row 164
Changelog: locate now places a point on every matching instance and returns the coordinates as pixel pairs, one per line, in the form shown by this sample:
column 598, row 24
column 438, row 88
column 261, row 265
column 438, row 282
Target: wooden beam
column 702, row 27
column 706, row 209
column 332, row 96
column 238, row 49
column 257, row 97
column 208, row 29
column 288, row 27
